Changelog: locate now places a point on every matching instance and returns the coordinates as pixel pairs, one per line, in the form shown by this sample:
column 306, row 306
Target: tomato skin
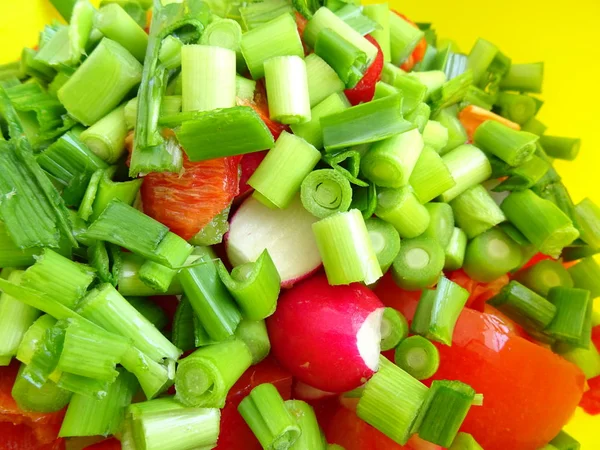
column 365, row 89
column 261, row 106
column 249, row 164
column 418, row 53
column 187, row 202
column 529, row 392
column 106, row 444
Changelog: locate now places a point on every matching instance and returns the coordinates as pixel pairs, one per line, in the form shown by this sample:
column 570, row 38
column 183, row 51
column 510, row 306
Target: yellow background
column 565, row 35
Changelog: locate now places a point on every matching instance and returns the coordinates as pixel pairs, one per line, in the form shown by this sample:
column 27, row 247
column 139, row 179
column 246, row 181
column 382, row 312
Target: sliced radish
column 327, row 336
column 285, row 233
column 303, row 391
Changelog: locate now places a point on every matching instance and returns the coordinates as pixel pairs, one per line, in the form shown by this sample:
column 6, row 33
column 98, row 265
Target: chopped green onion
column 478, row 97
column 456, row 249
column 435, row 135
column 412, row 90
column 346, row 250
column 481, row 57
column 107, row 308
column 391, row 401
column 87, row 416
column 540, row 220
column 394, row 329
column 465, row 441
column 365, row 200
column 32, row 337
column 64, row 8
column 456, row 132
column 390, row 162
column 114, row 23
column 588, row 217
column 446, row 406
column 45, row 356
column 278, row 37
column 534, row 126
column 182, row 334
column 511, row 146
column 524, row 306
column 170, row 52
column 433, row 79
column 524, row 78
column 311, row 437
column 557, row 193
column 564, row 441
column 213, row 232
column 223, row 132
column 573, row 310
column 11, row 255
column 380, row 13
column 575, row 253
column 245, row 88
column 441, row 223
column 47, row 398
column 150, row 310
column 226, row 33
column 431, row 176
column 287, row 89
column 204, row 378
column 253, row 333
column 518, row 108
column 364, row 123
column 323, row 81
column 100, row 83
column 524, row 176
column 491, row 255
column 419, row 117
column 106, row 137
column 325, row 192
column 468, row 166
column 385, row 241
column 588, row 360
column 268, row 417
column 209, row 297
column 403, row 38
column 57, row 52
column 418, row 357
column 586, row 275
column 561, row 147
column 476, row 211
column 108, row 190
column 254, row 286
column 402, row 209
column 153, row 377
column 452, row 91
column 418, row 264
column 544, row 276
column 256, row 14
column 129, row 281
column 348, row 61
column 353, row 16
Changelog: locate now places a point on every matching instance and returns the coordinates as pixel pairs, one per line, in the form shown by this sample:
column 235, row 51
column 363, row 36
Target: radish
column 327, row 336
column 285, row 233
column 303, row 391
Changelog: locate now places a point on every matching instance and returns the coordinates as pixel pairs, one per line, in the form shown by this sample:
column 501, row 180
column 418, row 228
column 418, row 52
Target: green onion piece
column 57, row 52
column 157, row 276
column 311, row 437
column 432, row 79
column 225, row 33
column 524, row 176
column 34, row 334
column 201, row 336
column 153, row 377
column 431, row 176
column 518, row 108
column 346, row 250
column 435, row 135
column 588, row 360
column 15, row 318
column 87, row 416
column 446, row 406
column 323, row 81
column 11, row 255
column 419, row 117
column 481, row 57
column 534, row 126
column 456, row 249
column 224, row 132
column 476, row 211
column 106, row 307
column 573, row 311
column 64, row 7
column 394, row 329
column 80, row 27
column 108, row 190
column 114, row 23
column 364, row 123
column 511, row 146
column 269, row 419
column 452, row 92
column 325, row 192
column 391, row 401
column 524, row 78
column 130, row 284
column 170, row 52
column 143, row 235
column 244, row 88
column 34, row 68
column 413, row 91
column 588, row 217
column 524, row 306
column 311, row 131
column 575, row 253
column 561, row 147
column 254, row 286
column 365, row 200
column 106, row 138
column 256, row 14
column 491, row 255
column 468, row 166
column 380, row 13
column 564, row 441
column 540, row 220
column 209, row 297
column 465, row 441
column 213, row 233
column 418, row 357
column 253, row 333
column 44, row 399
column 389, row 163
column 544, row 276
column 456, row 132
column 586, row 275
column 150, row 310
column 287, row 89
column 478, row 97
column 441, row 223
column 278, row 37
column 353, row 16
column 204, row 378
column 557, row 193
column 385, row 241
column 45, row 356
column 182, row 334
column 418, row 264
column 348, row 61
column 402, row 209
column 403, row 38
column 100, row 83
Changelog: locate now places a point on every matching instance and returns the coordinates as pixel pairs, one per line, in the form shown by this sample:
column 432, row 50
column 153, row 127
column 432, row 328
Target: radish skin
column 286, row 233
column 327, row 336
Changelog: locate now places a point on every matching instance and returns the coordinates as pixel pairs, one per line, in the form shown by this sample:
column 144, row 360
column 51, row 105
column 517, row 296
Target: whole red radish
column 327, row 336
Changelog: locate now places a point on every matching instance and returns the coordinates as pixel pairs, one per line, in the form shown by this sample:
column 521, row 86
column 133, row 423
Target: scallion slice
column 402, row 209
column 418, row 357
column 394, row 329
column 325, row 192
column 491, row 255
column 419, row 263
column 385, row 241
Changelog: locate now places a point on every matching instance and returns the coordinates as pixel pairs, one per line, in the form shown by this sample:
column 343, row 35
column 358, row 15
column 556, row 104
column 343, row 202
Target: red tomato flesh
column 365, row 89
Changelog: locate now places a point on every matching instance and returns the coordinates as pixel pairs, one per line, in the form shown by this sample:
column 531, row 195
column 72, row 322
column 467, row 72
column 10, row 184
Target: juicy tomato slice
column 590, row 402
column 479, row 293
column 249, row 164
column 529, row 392
column 187, row 202
column 21, row 437
column 365, row 89
column 261, row 106
column 106, row 444
column 418, row 53
column 235, row 434
column 536, row 259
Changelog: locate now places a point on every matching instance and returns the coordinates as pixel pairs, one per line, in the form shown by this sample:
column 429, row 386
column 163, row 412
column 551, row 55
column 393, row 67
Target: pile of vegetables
column 284, row 225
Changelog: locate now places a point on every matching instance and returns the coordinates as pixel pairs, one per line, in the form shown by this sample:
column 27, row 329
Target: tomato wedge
column 106, row 444
column 472, row 116
column 261, row 106
column 529, row 392
column 249, row 164
column 365, row 89
column 187, row 202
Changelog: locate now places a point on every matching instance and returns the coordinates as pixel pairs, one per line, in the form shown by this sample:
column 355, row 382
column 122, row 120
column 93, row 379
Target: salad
column 307, row 226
